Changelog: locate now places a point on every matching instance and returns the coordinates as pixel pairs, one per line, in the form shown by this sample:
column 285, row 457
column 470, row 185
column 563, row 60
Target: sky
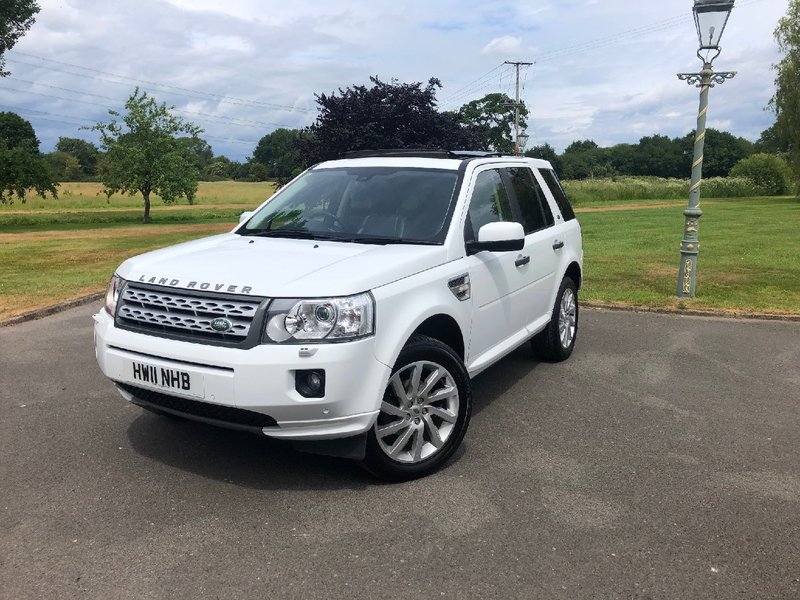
column 603, row 69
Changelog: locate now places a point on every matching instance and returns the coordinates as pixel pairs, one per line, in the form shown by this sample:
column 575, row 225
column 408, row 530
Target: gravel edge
column 52, row 309
column 740, row 315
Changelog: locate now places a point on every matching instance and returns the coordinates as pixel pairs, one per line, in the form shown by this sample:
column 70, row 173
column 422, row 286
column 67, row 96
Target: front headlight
column 112, row 295
column 321, row 320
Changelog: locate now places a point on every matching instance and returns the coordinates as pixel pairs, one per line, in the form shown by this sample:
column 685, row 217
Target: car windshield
column 381, row 205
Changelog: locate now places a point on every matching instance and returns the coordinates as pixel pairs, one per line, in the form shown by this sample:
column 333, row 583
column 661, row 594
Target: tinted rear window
column 558, row 193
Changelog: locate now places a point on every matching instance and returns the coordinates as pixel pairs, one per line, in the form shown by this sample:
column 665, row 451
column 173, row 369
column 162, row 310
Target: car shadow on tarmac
column 250, row 461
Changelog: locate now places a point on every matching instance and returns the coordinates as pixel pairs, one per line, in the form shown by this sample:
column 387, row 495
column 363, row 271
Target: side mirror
column 245, row 216
column 498, row 237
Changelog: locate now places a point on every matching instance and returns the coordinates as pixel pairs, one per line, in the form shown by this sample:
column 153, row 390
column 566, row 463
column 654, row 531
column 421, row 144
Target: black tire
column 547, row 344
column 428, row 352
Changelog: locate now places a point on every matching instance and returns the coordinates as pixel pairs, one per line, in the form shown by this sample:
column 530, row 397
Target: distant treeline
column 653, row 156
column 276, row 157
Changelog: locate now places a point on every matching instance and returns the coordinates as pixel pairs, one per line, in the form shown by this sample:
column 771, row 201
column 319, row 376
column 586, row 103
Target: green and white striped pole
column 690, row 246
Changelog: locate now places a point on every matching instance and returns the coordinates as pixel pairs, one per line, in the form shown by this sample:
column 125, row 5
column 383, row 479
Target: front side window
column 489, row 203
column 361, row 204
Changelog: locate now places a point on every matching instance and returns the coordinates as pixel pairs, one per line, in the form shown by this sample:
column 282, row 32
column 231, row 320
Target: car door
column 494, row 276
column 540, row 257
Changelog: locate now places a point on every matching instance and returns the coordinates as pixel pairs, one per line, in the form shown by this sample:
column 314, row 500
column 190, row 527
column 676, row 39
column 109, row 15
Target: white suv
column 350, row 311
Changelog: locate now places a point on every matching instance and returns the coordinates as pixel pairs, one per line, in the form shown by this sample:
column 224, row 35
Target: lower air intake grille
column 226, row 414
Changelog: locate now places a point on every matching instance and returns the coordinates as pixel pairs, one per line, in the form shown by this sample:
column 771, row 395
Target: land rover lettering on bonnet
column 200, row 285
column 350, row 312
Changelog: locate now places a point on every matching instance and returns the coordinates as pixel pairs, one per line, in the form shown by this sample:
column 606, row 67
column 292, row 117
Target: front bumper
column 260, row 379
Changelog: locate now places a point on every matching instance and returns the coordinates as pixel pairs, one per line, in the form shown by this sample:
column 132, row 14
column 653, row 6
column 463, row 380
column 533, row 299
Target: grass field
column 591, row 192
column 85, row 196
column 749, row 256
column 749, row 261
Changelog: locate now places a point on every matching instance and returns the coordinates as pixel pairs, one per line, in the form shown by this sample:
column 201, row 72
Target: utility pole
column 517, row 104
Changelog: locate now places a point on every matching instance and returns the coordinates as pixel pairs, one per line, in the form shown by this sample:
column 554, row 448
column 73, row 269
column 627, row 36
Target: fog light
column 310, row 383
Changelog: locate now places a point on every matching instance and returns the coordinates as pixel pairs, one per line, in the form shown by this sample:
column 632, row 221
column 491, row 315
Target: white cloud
column 255, row 64
column 504, row 45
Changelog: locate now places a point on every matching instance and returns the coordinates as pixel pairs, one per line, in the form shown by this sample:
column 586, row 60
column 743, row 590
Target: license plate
column 167, row 378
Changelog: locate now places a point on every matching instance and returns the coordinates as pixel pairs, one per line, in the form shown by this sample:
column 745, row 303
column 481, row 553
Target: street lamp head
column 710, row 17
column 522, row 139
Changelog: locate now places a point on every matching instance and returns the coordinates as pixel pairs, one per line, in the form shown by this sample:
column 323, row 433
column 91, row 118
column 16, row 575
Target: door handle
column 558, row 245
column 522, row 261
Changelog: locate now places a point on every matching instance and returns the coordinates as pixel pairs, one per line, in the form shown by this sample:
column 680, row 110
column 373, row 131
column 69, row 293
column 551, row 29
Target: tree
column 546, row 152
column 493, row 117
column 220, row 167
column 144, row 155
column 722, row 151
column 198, row 150
column 64, row 166
column 581, row 146
column 773, row 140
column 767, row 171
column 22, row 167
column 786, row 101
column 84, row 152
column 659, row 156
column 384, row 115
column 16, row 17
column 14, row 130
column 584, row 159
column 279, row 153
column 623, row 158
column 257, row 171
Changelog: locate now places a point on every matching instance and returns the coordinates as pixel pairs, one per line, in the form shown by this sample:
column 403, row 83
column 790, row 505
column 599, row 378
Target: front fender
column 400, row 310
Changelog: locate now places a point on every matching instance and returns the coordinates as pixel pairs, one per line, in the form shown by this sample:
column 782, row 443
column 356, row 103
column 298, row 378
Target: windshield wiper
column 300, row 234
column 304, row 234
column 385, row 240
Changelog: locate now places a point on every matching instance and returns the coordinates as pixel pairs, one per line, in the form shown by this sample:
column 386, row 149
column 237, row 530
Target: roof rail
column 420, row 153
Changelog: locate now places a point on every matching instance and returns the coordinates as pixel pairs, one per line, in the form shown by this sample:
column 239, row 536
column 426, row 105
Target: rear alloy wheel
column 556, row 341
column 423, row 415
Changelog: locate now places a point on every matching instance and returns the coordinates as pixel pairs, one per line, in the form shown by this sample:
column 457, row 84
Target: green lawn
column 749, row 256
column 42, row 268
column 749, row 249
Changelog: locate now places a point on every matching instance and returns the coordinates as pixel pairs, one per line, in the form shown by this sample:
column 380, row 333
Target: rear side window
column 489, row 202
column 558, row 193
column 534, row 209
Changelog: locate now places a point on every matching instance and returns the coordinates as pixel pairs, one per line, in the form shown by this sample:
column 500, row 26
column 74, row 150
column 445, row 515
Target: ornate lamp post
column 522, row 141
column 710, row 17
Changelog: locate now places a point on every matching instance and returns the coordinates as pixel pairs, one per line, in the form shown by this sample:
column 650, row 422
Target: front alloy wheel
column 424, row 412
column 418, row 412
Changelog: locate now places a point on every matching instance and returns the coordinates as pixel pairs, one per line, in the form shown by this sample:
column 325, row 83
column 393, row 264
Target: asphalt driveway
column 661, row 461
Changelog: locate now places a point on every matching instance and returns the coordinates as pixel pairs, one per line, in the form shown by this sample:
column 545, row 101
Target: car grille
column 194, row 408
column 171, row 312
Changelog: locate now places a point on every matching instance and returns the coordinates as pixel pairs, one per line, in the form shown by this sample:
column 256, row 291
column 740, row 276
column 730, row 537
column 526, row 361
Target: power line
column 482, row 77
column 614, row 38
column 468, row 91
column 232, row 99
column 472, row 91
column 627, row 34
column 85, row 120
column 42, row 112
column 241, row 122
